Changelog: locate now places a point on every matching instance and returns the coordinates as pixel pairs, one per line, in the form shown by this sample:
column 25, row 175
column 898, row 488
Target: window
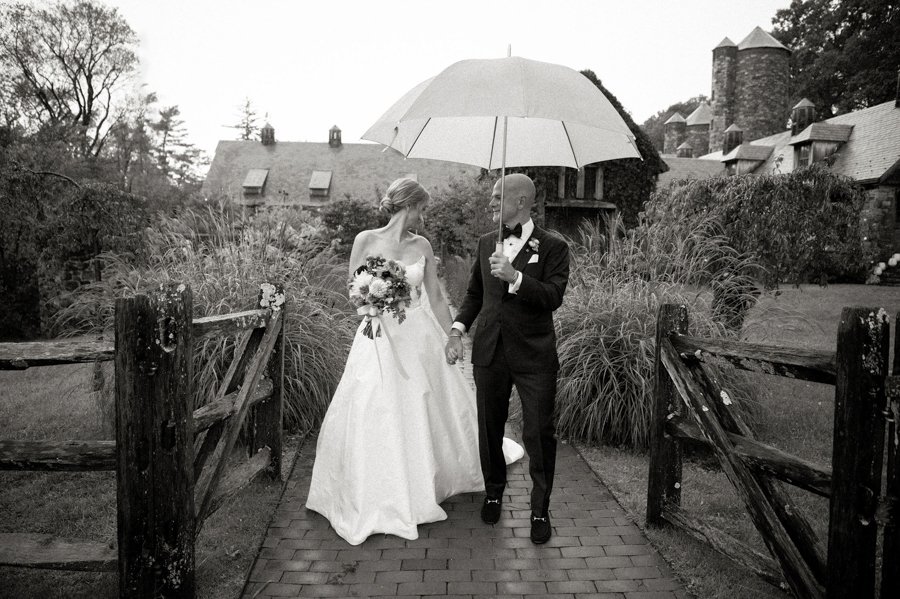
column 255, row 181
column 803, row 153
column 320, row 183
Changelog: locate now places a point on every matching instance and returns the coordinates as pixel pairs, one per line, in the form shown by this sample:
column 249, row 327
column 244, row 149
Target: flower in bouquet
column 379, row 286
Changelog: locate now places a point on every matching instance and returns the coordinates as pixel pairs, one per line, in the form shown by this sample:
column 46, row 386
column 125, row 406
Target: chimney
column 734, row 136
column 802, row 116
column 685, row 150
column 334, row 137
column 267, row 135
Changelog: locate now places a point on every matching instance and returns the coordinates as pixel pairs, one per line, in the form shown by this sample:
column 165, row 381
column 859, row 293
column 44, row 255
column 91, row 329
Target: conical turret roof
column 701, row 116
column 675, row 118
column 760, row 39
column 804, row 103
column 733, row 127
column 726, row 43
column 685, row 146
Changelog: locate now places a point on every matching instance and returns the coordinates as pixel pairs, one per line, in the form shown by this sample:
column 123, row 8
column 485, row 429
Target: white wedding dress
column 401, row 432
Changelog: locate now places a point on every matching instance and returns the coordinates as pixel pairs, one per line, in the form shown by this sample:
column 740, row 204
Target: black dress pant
column 537, row 391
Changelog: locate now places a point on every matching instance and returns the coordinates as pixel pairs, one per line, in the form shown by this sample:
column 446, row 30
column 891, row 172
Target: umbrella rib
column 569, row 139
column 408, row 152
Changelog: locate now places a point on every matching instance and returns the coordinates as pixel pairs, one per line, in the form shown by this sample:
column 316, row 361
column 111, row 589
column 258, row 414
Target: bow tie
column 515, row 231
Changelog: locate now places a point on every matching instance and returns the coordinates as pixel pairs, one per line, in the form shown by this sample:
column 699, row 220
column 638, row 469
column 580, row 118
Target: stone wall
column 724, row 70
column 881, row 230
column 698, row 137
column 675, row 135
column 761, row 105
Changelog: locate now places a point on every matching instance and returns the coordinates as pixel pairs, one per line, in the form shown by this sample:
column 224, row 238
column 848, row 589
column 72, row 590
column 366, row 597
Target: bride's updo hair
column 403, row 193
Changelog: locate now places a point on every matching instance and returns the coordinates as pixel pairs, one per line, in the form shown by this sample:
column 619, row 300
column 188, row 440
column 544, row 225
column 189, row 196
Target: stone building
column 750, row 88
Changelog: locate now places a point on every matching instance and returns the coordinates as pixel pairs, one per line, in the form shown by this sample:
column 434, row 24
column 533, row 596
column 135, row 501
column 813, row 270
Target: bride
column 401, row 432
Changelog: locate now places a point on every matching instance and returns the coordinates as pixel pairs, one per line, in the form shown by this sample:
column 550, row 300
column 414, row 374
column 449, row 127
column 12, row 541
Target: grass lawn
column 795, row 416
column 55, row 403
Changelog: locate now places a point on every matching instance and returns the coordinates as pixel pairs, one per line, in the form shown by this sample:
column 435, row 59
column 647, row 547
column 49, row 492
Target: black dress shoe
column 490, row 511
column 540, row 529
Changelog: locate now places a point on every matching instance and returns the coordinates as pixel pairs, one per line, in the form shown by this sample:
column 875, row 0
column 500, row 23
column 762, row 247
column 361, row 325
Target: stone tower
column 698, row 129
column 724, row 71
column 761, row 90
column 674, row 133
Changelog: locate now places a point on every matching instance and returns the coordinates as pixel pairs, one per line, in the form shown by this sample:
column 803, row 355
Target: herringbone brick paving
column 596, row 550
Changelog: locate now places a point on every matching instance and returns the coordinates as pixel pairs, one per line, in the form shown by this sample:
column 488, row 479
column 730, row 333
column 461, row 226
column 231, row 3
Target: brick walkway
column 596, row 550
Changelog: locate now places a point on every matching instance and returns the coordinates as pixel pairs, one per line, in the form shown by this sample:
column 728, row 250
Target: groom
column 515, row 290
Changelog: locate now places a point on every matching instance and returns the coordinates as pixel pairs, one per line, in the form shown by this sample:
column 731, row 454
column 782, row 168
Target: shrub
column 343, row 220
column 224, row 259
column 458, row 216
column 803, row 226
column 607, row 323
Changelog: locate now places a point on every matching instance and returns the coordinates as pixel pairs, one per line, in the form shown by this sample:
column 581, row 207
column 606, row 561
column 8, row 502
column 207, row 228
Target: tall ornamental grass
column 607, row 323
column 224, row 258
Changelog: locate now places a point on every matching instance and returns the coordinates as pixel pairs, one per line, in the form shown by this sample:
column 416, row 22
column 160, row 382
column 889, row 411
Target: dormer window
column 255, row 181
column 320, row 184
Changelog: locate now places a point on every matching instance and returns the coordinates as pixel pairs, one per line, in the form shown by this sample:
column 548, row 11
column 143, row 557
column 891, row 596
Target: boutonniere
column 534, row 244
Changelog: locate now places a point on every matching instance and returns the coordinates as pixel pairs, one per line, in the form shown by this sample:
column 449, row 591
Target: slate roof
column 873, row 148
column 702, row 115
column 726, row 43
column 760, row 39
column 823, row 132
column 747, row 151
column 361, row 171
column 688, row 168
column 675, row 118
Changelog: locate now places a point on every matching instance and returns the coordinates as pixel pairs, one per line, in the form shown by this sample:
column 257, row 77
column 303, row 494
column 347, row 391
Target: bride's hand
column 454, row 349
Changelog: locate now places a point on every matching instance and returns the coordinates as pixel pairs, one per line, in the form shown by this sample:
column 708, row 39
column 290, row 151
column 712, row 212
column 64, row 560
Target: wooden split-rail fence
column 170, row 459
column 691, row 403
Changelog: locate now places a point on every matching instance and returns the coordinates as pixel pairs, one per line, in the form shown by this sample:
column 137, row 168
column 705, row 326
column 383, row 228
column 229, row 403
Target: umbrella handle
column 502, row 184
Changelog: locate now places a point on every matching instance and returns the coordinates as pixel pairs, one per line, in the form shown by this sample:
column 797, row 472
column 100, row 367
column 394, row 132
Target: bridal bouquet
column 379, row 286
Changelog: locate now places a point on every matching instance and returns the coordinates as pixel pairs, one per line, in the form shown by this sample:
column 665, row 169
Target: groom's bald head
column 518, row 198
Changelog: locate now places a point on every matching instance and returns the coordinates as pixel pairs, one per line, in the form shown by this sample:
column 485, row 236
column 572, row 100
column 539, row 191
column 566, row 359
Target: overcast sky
column 311, row 65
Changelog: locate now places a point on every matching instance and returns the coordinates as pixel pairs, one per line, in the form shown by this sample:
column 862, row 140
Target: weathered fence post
column 664, row 480
column 154, row 437
column 267, row 420
column 862, row 360
column 890, row 574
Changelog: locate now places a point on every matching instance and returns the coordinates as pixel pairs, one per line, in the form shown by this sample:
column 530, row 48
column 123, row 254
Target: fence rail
column 165, row 489
column 688, row 388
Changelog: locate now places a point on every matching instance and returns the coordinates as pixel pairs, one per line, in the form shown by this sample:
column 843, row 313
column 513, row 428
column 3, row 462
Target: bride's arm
column 435, row 297
column 357, row 255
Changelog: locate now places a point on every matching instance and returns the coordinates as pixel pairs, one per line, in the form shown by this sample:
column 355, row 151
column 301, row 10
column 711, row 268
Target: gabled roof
column 675, row 118
column 702, row 115
column 760, row 39
column 873, row 148
column 749, row 152
column 361, row 171
column 823, row 132
column 688, row 168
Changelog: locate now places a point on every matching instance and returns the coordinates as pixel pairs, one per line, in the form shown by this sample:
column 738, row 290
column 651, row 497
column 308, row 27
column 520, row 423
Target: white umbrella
column 501, row 112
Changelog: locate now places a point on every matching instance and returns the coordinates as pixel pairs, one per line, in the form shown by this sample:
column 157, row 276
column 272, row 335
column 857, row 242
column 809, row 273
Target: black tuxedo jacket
column 524, row 319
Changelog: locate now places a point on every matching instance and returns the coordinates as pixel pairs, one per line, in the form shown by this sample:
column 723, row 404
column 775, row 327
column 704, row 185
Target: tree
column 66, row 62
column 175, row 156
column 845, row 53
column 655, row 128
column 247, row 127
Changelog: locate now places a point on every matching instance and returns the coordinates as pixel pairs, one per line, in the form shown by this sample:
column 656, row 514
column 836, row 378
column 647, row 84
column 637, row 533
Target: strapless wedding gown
column 398, row 439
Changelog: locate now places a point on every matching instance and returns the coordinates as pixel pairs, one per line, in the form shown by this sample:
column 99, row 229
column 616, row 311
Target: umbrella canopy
column 541, row 114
